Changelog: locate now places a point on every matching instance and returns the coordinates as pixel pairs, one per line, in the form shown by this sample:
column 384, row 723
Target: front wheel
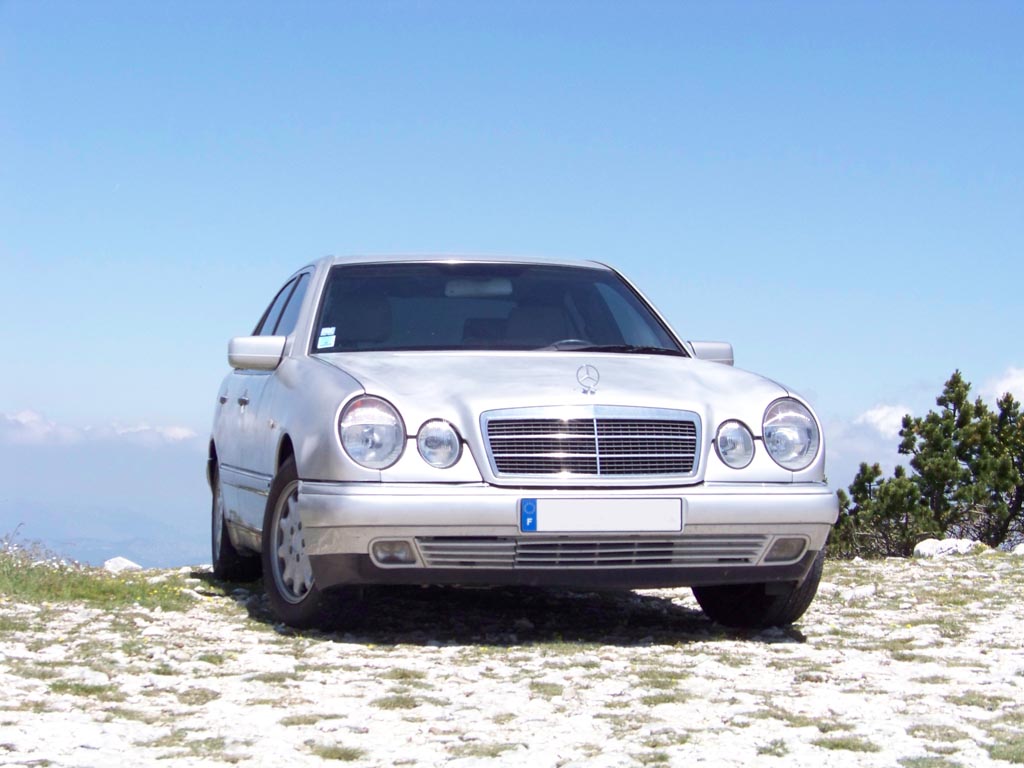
column 287, row 574
column 752, row 606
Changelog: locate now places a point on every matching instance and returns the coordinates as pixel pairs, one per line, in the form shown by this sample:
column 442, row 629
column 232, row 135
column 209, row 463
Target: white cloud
column 33, row 428
column 886, row 420
column 848, row 443
column 170, row 434
column 1011, row 381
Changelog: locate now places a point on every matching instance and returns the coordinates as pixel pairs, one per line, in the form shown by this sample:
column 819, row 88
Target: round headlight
column 372, row 432
column 439, row 444
column 735, row 444
column 790, row 434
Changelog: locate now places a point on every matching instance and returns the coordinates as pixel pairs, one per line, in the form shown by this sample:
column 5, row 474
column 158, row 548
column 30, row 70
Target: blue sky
column 835, row 188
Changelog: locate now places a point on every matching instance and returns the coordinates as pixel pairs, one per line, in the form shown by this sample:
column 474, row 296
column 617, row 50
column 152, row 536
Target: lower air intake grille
column 589, row 552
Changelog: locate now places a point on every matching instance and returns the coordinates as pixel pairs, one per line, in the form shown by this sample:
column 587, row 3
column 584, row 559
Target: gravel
column 898, row 662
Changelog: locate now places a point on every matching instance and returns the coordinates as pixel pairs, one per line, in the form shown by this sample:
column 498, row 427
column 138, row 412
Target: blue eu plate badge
column 528, row 515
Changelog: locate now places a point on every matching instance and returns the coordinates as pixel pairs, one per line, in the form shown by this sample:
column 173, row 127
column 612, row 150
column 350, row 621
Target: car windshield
column 475, row 306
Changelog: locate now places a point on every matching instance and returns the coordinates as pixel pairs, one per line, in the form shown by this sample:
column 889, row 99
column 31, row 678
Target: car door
column 258, row 425
column 226, row 438
column 239, row 404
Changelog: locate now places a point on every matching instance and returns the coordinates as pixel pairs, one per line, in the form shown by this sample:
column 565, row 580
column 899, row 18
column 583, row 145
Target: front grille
column 604, row 444
column 502, row 552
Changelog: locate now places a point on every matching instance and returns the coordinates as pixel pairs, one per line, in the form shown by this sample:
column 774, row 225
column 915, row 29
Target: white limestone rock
column 946, row 547
column 120, row 565
column 859, row 593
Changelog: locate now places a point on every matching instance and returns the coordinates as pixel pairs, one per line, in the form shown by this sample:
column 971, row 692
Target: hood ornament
column 588, row 377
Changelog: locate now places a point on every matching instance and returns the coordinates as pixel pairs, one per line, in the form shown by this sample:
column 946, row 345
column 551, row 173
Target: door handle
column 243, row 400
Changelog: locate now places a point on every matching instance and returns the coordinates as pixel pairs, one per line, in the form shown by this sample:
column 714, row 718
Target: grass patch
column 133, row 647
column 480, row 749
column 666, row 738
column 800, row 721
column 136, row 715
column 32, row 574
column 337, row 752
column 988, row 702
column 212, row 658
column 395, row 702
column 274, row 678
column 931, row 680
column 402, row 675
column 734, row 660
column 928, row 762
column 661, row 678
column 293, row 720
column 33, row 671
column 548, row 690
column 197, row 697
column 846, row 743
column 178, row 740
column 1013, row 718
column 651, row 758
column 12, row 624
column 774, row 748
column 910, row 656
column 655, row 699
column 1008, row 747
column 92, row 691
column 944, row 733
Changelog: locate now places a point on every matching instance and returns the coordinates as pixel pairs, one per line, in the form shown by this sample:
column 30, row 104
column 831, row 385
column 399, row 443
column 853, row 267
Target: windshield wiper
column 629, row 349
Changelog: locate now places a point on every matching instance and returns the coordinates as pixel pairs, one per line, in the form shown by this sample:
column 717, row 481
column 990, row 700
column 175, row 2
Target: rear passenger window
column 286, row 324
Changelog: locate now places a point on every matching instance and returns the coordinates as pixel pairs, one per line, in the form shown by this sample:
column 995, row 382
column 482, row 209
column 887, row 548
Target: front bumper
column 470, row 534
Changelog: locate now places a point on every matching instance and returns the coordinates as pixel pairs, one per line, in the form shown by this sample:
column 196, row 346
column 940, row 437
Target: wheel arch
column 285, row 451
column 211, row 463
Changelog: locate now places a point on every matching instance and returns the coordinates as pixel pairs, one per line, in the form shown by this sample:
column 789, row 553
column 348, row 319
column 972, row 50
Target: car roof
column 457, row 259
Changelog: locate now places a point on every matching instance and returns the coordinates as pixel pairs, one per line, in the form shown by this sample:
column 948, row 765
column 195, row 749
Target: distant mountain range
column 90, row 501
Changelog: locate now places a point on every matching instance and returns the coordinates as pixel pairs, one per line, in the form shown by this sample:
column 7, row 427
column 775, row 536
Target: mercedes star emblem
column 588, row 377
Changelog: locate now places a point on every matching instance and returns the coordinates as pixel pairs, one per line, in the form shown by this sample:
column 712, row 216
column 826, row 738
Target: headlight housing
column 439, row 444
column 734, row 444
column 791, row 434
column 372, row 432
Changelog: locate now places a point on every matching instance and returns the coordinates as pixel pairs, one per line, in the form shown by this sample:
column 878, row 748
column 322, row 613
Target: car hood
column 458, row 386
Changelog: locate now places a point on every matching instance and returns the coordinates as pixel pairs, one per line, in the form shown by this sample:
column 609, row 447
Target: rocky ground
column 913, row 663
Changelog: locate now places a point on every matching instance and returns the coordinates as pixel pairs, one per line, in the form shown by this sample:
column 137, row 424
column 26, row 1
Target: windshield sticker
column 325, row 342
column 327, row 331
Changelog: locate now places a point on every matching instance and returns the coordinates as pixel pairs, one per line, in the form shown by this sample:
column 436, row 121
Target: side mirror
column 713, row 351
column 260, row 353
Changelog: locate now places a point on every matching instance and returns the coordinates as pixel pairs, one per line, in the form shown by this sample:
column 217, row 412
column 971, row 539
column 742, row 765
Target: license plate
column 600, row 515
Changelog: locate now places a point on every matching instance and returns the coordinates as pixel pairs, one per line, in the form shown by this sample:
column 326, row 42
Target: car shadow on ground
column 502, row 616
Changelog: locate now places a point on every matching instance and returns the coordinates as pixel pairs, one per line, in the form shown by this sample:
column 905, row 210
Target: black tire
column 287, row 575
column 751, row 606
column 228, row 563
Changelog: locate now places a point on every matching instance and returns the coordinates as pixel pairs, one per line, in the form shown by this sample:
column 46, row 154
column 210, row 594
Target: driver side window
column 268, row 322
column 290, row 315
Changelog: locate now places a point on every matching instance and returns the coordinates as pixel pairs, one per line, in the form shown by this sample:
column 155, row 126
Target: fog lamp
column 785, row 548
column 735, row 444
column 439, row 444
column 393, row 552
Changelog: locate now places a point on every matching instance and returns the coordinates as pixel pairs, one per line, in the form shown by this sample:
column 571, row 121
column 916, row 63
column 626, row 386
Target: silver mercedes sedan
column 482, row 421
